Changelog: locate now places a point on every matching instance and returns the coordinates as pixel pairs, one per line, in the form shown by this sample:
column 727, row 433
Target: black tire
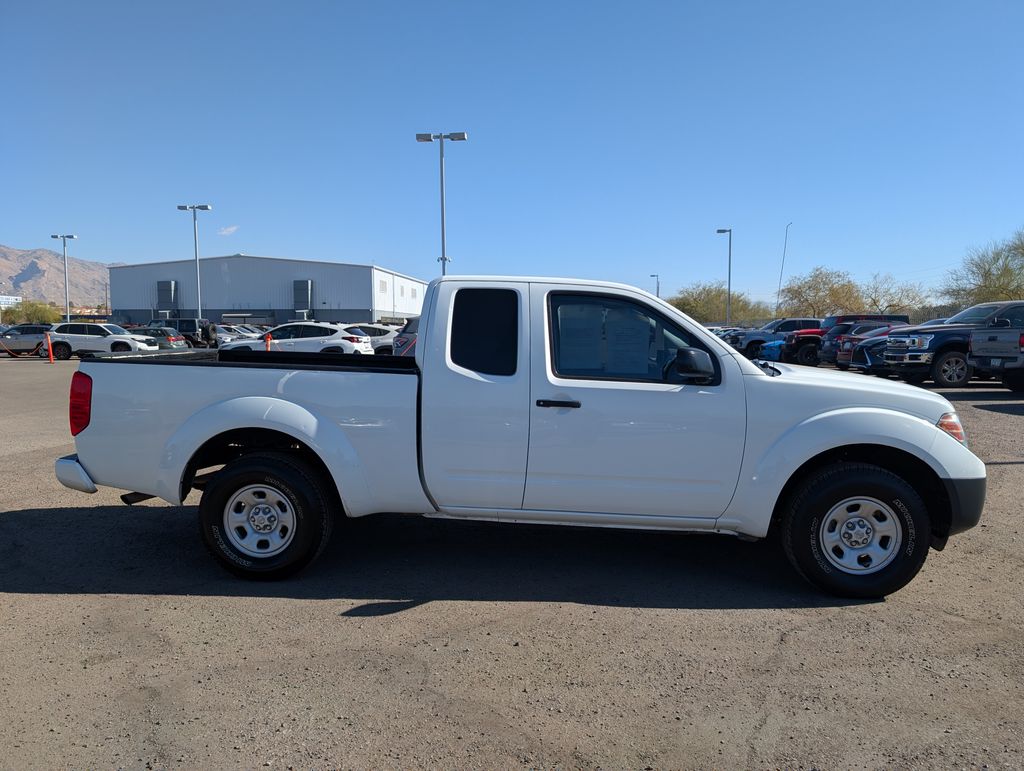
column 120, row 348
column 299, row 495
column 753, row 350
column 951, row 370
column 1015, row 382
column 913, row 379
column 61, row 351
column 188, row 343
column 807, row 355
column 842, row 367
column 816, row 506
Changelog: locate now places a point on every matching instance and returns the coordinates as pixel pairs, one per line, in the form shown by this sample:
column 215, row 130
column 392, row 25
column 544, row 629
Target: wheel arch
column 225, row 430
column 918, row 473
column 236, row 443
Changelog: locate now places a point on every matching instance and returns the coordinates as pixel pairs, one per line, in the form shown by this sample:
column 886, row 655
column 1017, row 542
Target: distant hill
column 38, row 274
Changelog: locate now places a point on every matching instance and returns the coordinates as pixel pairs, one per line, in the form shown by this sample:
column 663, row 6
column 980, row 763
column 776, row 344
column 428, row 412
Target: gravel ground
column 429, row 643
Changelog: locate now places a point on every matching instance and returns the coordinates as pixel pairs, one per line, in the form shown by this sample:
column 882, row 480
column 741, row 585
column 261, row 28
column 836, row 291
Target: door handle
column 557, row 403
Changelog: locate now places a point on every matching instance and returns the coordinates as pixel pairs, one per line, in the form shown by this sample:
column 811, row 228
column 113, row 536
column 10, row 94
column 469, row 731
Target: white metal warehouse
column 267, row 290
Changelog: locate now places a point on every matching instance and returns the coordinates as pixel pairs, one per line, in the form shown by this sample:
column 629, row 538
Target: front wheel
column 951, row 370
column 61, row 351
column 120, row 348
column 752, row 351
column 266, row 515
column 856, row 530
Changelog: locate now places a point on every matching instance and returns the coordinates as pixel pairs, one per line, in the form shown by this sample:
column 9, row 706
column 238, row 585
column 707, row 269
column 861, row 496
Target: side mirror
column 1001, row 323
column 693, row 364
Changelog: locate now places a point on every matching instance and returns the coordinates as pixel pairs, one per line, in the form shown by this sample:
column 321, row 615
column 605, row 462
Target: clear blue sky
column 606, row 140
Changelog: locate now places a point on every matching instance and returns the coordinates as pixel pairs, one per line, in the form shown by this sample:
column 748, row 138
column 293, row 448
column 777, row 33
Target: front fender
column 765, row 475
column 324, row 437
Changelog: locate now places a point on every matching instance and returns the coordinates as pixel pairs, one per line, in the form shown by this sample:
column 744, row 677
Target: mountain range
column 38, row 274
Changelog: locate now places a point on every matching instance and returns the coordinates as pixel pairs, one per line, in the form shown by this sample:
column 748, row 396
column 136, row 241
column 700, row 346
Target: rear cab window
column 485, row 330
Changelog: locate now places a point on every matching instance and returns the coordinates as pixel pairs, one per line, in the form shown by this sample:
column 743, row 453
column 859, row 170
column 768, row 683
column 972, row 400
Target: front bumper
column 71, row 474
column 966, row 500
column 901, row 359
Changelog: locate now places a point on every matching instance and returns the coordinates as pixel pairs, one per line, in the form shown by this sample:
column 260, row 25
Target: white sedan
column 80, row 338
column 309, row 337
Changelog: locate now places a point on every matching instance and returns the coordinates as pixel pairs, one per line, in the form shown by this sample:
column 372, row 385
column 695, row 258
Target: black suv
column 939, row 353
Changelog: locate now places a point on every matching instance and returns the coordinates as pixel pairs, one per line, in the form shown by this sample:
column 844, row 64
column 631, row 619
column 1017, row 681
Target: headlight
column 950, row 423
column 921, row 341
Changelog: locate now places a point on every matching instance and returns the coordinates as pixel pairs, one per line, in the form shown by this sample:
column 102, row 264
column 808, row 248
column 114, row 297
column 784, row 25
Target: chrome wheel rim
column 954, row 370
column 860, row 535
column 259, row 521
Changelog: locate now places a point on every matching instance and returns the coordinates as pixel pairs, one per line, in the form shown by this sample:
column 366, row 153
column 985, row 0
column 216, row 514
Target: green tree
column 993, row 273
column 32, row 312
column 820, row 293
column 706, row 302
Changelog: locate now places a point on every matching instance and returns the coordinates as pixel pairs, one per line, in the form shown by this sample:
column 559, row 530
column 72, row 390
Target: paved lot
column 426, row 643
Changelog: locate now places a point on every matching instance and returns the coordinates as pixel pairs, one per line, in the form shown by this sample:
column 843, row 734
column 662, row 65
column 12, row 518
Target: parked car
column 803, row 347
column 81, row 339
column 749, row 341
column 22, row 339
column 381, row 337
column 837, row 347
column 868, row 356
column 405, row 341
column 858, row 477
column 311, row 337
column 190, row 329
column 167, row 338
column 998, row 350
column 939, row 352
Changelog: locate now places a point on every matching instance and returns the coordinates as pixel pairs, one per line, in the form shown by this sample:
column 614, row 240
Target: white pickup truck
column 543, row 401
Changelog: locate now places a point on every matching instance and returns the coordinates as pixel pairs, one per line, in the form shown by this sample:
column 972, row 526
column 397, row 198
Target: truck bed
column 205, row 357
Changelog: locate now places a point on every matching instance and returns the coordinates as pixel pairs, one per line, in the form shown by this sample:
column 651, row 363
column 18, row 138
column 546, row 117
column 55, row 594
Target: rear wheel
column 1015, row 382
column 61, row 351
column 266, row 515
column 951, row 370
column 856, row 530
column 807, row 355
column 753, row 350
column 842, row 367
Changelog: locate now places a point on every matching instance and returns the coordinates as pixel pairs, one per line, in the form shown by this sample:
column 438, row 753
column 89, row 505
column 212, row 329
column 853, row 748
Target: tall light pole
column 194, row 207
column 455, row 136
column 67, row 294
column 778, row 294
column 657, row 285
column 728, row 291
column 1, row 304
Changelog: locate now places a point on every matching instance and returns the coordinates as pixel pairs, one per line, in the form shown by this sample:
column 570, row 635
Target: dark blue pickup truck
column 939, row 353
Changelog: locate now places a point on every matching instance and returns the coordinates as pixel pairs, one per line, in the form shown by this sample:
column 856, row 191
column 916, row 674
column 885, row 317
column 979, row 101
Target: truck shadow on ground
column 394, row 563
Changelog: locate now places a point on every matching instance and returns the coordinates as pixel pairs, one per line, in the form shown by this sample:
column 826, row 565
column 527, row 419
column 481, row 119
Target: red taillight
column 351, row 339
column 1020, row 342
column 80, row 405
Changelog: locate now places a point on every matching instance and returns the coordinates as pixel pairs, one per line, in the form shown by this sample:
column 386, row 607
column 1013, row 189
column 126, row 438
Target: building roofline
column 276, row 259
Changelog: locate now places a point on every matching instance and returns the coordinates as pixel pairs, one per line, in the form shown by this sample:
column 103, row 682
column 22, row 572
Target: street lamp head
column 54, row 236
column 424, row 137
column 70, row 236
column 182, row 207
column 204, row 207
column 457, row 136
column 724, row 230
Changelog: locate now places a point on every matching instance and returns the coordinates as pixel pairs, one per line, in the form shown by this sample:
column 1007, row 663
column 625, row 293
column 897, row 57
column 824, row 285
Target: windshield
column 114, row 329
column 771, row 325
column 838, row 329
column 971, row 315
